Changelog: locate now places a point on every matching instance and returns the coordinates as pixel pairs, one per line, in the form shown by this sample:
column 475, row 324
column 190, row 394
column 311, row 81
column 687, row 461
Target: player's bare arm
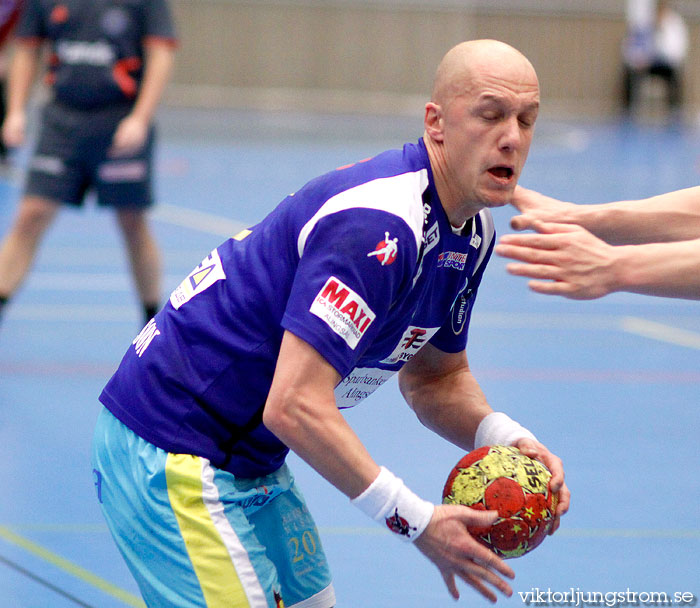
column 301, row 411
column 444, row 394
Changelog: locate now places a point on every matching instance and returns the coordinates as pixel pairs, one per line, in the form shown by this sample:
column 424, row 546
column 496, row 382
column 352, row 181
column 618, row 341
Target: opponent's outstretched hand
column 566, row 260
column 537, row 451
column 447, row 543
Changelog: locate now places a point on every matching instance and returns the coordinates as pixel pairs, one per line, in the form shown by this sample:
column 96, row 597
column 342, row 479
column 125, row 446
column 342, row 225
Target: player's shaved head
column 475, row 60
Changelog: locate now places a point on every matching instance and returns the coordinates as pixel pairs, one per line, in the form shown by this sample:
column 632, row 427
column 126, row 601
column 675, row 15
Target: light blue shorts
column 196, row 536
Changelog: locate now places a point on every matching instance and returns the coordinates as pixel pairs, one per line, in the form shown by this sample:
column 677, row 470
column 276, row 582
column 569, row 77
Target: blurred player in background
column 649, row 246
column 656, row 45
column 109, row 63
column 366, row 271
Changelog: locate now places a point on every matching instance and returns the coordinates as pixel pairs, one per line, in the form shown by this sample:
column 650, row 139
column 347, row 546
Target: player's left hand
column 129, row 137
column 534, row 449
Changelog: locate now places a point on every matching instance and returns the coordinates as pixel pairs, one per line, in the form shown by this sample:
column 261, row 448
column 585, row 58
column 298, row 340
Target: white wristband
column 387, row 499
column 498, row 429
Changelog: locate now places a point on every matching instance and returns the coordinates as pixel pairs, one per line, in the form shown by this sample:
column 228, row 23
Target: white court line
column 661, row 332
column 196, row 220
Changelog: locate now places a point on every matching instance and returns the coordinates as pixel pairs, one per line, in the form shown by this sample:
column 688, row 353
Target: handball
column 501, row 478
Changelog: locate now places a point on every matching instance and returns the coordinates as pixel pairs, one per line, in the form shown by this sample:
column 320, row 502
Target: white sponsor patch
column 202, row 277
column 123, row 171
column 47, row 164
column 360, row 384
column 343, row 310
column 413, row 339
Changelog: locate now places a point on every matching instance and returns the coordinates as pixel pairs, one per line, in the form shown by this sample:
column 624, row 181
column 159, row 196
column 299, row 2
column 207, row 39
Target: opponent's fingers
column 536, row 249
column 521, row 222
column 563, row 288
column 535, row 271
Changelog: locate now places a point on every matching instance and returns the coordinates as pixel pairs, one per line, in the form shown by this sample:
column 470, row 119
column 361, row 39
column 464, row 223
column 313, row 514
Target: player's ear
column 433, row 121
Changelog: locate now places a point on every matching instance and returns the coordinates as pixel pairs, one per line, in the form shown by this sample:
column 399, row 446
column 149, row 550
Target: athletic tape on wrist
column 388, row 500
column 499, row 429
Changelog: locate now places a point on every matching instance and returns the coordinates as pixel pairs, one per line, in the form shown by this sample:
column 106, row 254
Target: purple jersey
column 97, row 45
column 361, row 263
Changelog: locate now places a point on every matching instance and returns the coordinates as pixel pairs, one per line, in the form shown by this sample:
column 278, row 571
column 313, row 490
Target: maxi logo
column 343, row 310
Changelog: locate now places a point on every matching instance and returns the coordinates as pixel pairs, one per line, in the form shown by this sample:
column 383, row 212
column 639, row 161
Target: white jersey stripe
column 488, row 231
column 401, row 195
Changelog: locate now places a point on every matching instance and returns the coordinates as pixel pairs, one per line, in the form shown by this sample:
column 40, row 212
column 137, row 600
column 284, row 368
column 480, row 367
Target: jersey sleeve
column 30, row 26
column 354, row 266
column 452, row 336
column 159, row 26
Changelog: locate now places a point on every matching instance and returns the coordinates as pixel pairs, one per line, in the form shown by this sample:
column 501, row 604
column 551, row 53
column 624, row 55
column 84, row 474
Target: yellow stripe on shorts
column 219, row 559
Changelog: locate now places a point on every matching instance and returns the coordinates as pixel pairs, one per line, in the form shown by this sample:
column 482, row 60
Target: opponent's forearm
column 662, row 269
column 674, row 216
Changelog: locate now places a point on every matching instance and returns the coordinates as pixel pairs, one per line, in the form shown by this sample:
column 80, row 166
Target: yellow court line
column 73, row 569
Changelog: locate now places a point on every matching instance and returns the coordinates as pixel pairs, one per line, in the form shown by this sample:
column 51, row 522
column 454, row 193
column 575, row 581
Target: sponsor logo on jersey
column 123, row 171
column 145, row 337
column 413, row 339
column 386, row 250
column 460, row 312
column 74, row 52
column 359, row 384
column 476, row 241
column 432, row 238
column 343, row 310
column 201, row 278
column 452, row 259
column 48, row 164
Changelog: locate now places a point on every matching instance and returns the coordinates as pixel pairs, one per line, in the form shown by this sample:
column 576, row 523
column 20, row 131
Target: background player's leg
column 18, row 248
column 144, row 257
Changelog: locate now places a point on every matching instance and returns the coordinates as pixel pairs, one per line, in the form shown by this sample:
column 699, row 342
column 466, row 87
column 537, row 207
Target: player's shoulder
column 392, row 183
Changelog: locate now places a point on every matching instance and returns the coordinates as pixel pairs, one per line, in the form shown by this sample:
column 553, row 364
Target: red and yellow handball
column 501, row 478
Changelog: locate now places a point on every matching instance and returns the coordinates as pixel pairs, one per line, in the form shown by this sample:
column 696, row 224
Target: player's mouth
column 502, row 173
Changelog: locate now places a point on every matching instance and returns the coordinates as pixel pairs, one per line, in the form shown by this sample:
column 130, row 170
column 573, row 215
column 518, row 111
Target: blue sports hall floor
column 612, row 386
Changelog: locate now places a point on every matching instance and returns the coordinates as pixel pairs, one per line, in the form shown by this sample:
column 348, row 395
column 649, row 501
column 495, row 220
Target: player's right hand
column 13, row 129
column 447, row 543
